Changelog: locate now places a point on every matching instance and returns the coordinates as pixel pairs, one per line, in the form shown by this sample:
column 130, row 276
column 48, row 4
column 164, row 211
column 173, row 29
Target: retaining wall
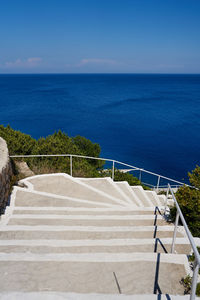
column 5, row 175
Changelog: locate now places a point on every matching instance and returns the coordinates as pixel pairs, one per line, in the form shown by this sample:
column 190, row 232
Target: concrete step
column 91, row 296
column 83, row 232
column 153, row 197
column 162, row 199
column 145, row 200
column 28, row 198
column 95, row 246
column 125, row 187
column 93, row 272
column 86, row 220
column 81, row 211
column 65, row 185
column 108, row 186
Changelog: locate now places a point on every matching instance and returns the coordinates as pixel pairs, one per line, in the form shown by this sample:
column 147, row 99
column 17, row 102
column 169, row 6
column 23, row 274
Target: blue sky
column 100, row 36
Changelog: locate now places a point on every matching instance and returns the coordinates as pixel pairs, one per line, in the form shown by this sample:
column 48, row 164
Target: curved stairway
column 64, row 235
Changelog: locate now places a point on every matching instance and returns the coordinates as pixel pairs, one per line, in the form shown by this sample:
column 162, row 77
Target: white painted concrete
column 86, row 242
column 96, row 257
column 73, row 296
column 100, row 239
column 86, row 228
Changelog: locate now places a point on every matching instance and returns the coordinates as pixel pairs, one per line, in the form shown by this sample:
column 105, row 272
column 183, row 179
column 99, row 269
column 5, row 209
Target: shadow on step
column 157, row 240
column 156, row 284
column 157, row 210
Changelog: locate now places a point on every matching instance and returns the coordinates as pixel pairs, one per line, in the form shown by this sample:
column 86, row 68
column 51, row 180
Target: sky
column 99, row 36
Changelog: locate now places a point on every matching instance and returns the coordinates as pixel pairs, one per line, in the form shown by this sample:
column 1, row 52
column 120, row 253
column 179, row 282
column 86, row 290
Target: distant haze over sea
column 150, row 121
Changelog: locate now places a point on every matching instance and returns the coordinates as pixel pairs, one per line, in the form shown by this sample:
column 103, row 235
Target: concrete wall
column 5, row 175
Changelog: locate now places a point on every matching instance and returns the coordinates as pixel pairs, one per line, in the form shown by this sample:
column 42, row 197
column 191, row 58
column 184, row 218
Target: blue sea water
column 151, row 121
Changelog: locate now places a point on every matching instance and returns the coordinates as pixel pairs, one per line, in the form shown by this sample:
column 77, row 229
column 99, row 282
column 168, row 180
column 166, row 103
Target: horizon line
column 100, row 73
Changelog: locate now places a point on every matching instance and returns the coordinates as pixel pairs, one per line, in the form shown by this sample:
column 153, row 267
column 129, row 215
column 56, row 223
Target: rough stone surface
column 24, row 168
column 5, row 175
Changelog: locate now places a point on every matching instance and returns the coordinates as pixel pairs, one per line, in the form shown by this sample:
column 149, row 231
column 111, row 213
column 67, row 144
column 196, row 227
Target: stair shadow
column 157, row 210
column 155, row 223
column 157, row 240
column 155, row 220
column 157, row 289
column 156, row 285
column 155, row 231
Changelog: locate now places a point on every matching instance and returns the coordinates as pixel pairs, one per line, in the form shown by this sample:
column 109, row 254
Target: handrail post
column 113, row 170
column 175, row 231
column 158, row 182
column 140, row 176
column 194, row 280
column 167, row 194
column 71, row 165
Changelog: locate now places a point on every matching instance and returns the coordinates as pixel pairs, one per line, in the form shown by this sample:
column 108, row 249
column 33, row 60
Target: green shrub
column 18, row 142
column 60, row 143
column 189, row 202
column 187, row 283
column 57, row 143
column 121, row 176
column 87, row 148
column 194, row 177
column 192, row 257
column 162, row 193
column 198, row 289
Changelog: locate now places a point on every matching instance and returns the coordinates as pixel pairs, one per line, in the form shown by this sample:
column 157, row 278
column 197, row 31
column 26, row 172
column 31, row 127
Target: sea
column 151, row 121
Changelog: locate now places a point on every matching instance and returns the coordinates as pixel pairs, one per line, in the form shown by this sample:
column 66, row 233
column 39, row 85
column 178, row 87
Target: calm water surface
column 151, row 121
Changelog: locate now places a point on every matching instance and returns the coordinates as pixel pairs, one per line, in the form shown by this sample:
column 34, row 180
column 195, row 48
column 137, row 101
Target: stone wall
column 5, row 175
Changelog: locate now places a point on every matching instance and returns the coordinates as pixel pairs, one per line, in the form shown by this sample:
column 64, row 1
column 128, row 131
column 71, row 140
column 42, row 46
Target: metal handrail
column 133, row 168
column 179, row 214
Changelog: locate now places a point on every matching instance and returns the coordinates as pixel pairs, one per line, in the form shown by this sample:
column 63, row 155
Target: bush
column 18, row 142
column 121, row 176
column 189, row 202
column 57, row 143
column 187, row 283
column 198, row 289
column 192, row 258
column 60, row 143
column 194, row 177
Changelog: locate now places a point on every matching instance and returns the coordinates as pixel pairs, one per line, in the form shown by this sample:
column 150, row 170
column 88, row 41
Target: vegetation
column 57, row 143
column 187, row 283
column 189, row 202
column 60, row 143
column 18, row 142
column 162, row 193
column 121, row 176
column 192, row 259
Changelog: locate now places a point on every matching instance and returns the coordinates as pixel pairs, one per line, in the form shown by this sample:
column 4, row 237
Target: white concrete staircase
column 63, row 235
